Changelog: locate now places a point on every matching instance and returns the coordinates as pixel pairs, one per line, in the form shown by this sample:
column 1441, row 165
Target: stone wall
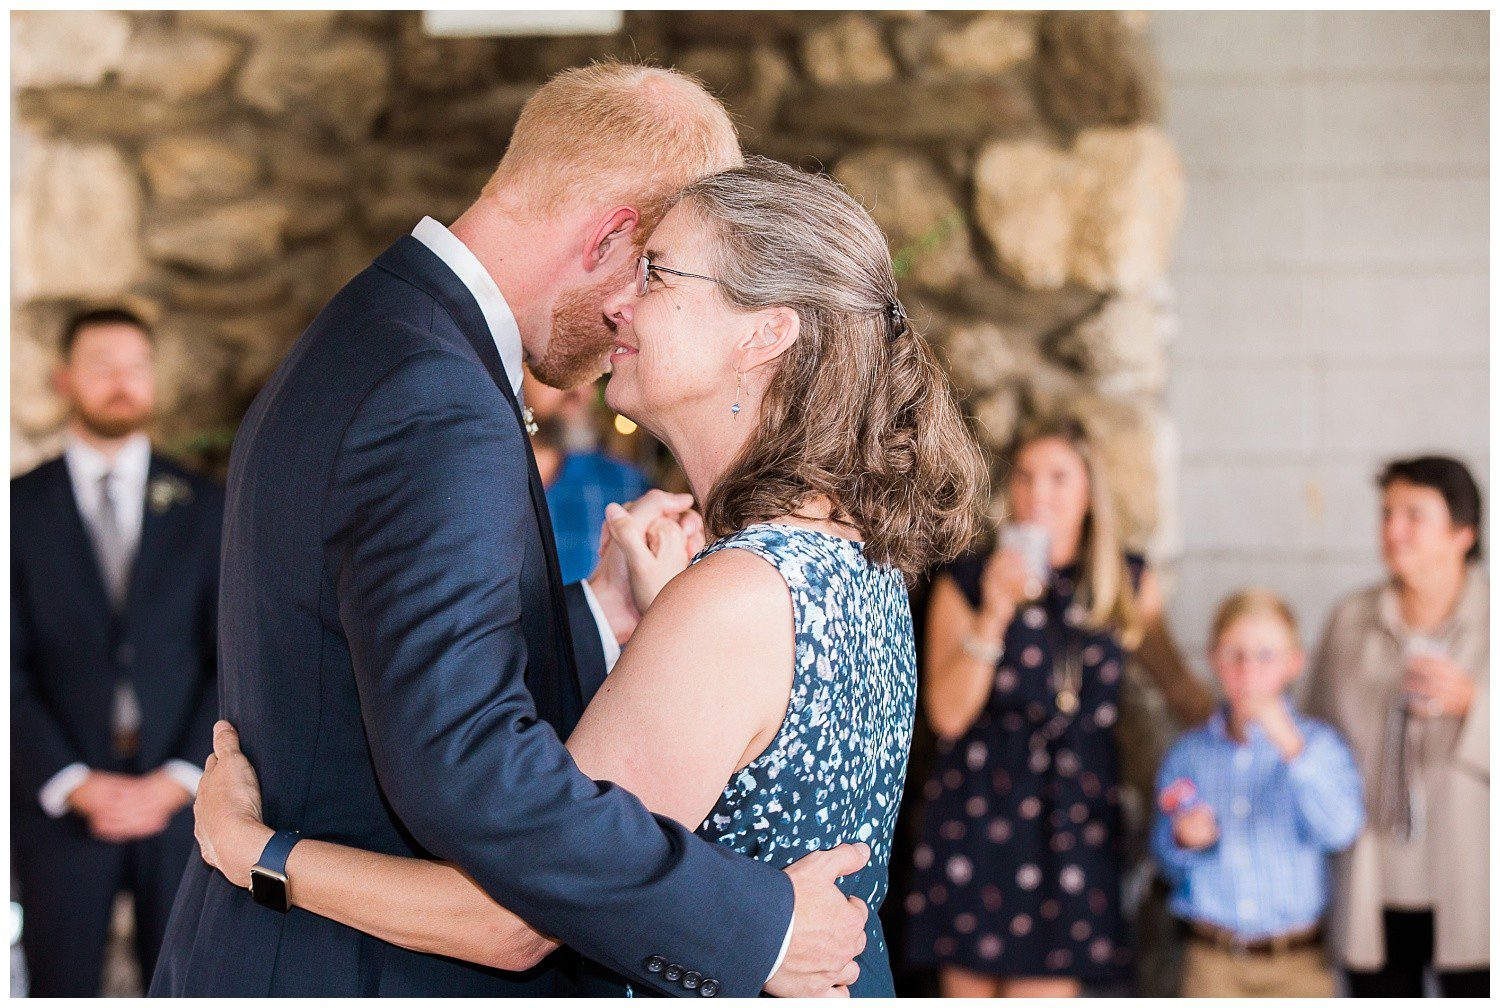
column 227, row 171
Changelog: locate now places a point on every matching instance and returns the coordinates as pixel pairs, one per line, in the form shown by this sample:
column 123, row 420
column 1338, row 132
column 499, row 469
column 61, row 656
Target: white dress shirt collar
column 130, row 464
column 497, row 314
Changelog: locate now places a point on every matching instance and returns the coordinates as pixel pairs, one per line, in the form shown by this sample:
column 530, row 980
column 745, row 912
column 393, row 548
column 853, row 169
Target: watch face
column 269, row 889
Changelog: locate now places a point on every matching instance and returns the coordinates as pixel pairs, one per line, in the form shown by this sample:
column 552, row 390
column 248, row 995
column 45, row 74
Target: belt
column 1228, row 941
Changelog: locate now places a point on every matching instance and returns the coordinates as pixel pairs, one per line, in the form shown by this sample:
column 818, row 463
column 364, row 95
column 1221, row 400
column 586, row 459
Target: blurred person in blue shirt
column 1250, row 806
column 580, row 479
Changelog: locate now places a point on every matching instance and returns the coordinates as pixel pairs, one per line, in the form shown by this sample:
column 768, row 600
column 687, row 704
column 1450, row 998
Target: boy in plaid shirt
column 1250, row 807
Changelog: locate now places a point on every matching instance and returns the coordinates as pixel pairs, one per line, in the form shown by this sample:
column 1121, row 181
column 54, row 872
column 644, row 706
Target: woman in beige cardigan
column 1403, row 670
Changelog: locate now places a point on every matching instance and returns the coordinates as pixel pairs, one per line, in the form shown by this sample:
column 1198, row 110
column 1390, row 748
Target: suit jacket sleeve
column 198, row 739
column 427, row 534
column 39, row 749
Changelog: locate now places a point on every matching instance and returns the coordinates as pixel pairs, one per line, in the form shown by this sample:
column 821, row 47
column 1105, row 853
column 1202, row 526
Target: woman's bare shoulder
column 720, row 637
column 729, row 589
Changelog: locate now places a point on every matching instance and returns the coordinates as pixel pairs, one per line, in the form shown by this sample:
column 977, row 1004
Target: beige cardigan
column 1354, row 675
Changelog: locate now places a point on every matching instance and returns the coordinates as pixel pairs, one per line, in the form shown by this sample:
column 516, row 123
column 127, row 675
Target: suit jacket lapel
column 75, row 541
column 152, row 551
column 415, row 262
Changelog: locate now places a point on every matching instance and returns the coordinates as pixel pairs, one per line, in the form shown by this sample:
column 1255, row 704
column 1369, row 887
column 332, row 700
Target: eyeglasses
column 645, row 268
column 1250, row 656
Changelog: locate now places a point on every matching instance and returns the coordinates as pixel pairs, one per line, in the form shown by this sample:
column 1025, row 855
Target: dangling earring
column 739, row 393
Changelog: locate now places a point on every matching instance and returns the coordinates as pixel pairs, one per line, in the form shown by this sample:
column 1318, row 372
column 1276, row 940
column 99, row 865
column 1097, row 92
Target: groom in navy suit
column 399, row 652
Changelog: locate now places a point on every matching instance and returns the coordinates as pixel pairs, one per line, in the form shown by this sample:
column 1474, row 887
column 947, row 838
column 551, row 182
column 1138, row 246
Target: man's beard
column 112, row 426
column 581, row 338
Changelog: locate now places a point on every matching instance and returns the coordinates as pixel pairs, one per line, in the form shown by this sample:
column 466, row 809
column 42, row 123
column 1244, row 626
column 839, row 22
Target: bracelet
column 984, row 652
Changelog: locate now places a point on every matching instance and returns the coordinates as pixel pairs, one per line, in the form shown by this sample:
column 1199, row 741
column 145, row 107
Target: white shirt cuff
column 54, row 794
column 786, row 943
column 185, row 774
column 606, row 635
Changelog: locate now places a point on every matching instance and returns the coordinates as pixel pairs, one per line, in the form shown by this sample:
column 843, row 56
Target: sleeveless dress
column 1018, row 870
column 834, row 772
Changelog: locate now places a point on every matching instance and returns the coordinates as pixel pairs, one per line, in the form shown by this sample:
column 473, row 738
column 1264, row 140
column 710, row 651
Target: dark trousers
column 67, row 889
column 1408, row 954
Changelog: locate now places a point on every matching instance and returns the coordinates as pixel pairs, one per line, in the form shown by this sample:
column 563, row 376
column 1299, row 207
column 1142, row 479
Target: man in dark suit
column 400, row 654
column 114, row 603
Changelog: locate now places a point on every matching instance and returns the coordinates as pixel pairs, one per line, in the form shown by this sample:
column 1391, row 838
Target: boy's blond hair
column 1254, row 602
column 615, row 132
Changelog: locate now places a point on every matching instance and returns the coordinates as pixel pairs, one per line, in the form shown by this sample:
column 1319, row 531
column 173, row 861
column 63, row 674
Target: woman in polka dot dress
column 1016, row 890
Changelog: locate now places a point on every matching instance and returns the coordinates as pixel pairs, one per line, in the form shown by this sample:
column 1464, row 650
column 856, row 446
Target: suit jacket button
column 690, row 979
column 708, row 988
column 673, row 973
column 655, row 964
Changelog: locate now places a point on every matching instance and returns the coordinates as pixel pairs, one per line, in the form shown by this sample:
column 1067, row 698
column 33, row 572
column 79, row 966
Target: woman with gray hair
column 767, row 696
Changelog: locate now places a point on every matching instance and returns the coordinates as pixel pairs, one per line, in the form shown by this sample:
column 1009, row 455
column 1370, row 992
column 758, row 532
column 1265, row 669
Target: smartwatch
column 268, row 884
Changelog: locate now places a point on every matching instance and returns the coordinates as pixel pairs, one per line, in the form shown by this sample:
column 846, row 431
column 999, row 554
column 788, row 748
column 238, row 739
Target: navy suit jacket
column 68, row 646
column 397, row 655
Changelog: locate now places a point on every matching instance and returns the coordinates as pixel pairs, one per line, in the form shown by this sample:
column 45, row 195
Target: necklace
column 1067, row 665
column 1067, row 677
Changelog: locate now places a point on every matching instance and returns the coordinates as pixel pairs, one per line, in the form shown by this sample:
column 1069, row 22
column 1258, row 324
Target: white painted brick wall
column 1332, row 277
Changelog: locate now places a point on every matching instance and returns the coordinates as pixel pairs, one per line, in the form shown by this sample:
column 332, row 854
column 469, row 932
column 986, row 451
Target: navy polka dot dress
column 834, row 772
column 1018, row 869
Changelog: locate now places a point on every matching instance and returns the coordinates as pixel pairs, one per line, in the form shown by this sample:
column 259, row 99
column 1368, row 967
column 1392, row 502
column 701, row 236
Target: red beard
column 581, row 339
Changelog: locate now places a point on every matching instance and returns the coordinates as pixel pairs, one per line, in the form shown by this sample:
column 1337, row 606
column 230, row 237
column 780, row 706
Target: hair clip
column 896, row 315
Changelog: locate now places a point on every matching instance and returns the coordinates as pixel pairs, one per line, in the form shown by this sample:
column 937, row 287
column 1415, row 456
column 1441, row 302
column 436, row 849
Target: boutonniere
column 526, row 415
column 165, row 491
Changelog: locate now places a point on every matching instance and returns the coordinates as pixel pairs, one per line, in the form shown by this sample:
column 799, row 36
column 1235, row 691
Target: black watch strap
column 268, row 881
column 278, row 849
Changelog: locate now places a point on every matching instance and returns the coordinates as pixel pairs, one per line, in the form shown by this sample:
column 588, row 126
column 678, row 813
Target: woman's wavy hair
column 1104, row 589
column 858, row 410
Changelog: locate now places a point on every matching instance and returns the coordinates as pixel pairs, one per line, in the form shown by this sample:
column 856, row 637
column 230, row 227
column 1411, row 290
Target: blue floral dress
column 834, row 772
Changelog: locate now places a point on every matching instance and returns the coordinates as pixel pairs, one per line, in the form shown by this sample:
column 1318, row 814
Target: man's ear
column 612, row 240
column 775, row 332
column 60, row 380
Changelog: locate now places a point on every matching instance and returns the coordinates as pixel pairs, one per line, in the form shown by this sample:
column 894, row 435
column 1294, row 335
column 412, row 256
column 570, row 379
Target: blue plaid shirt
column 1268, row 873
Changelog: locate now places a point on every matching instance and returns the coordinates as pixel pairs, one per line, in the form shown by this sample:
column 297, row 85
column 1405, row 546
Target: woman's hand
column 1438, row 687
column 612, row 581
column 656, row 547
column 1005, row 584
column 226, row 813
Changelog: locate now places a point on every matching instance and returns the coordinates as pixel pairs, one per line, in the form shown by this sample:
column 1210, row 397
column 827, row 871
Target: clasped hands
column 123, row 807
column 644, row 545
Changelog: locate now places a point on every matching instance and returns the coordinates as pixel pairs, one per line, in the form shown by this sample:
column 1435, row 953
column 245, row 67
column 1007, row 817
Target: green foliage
column 906, row 257
column 201, row 444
